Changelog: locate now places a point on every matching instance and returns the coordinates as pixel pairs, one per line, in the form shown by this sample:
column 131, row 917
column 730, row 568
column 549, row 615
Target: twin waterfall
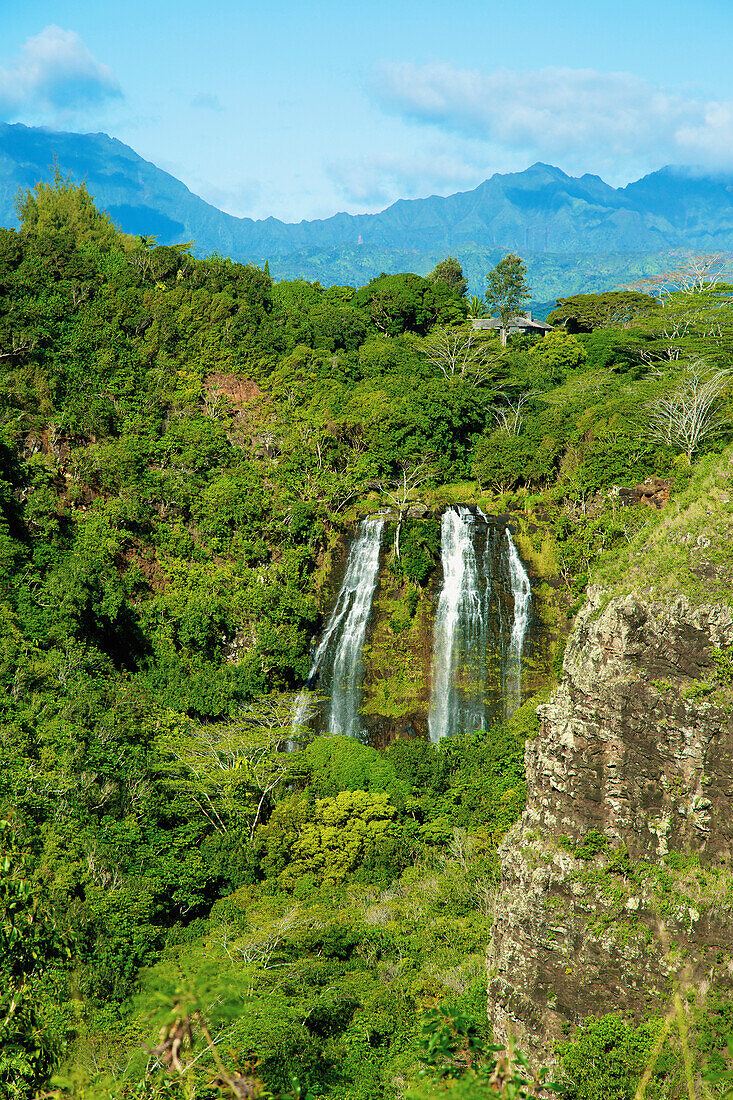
column 481, row 625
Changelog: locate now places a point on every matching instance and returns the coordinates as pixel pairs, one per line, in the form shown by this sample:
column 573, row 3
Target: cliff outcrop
column 617, row 882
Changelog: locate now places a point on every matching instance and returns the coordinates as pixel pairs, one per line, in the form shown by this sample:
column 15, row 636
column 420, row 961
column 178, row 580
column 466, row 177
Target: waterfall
column 522, row 595
column 481, row 625
column 337, row 665
column 460, row 637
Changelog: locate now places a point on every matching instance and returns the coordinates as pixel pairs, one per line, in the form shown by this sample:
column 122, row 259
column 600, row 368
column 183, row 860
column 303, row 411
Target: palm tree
column 476, row 307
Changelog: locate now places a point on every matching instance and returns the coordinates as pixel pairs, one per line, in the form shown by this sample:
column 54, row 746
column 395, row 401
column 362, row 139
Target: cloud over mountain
column 374, row 181
column 54, row 75
column 557, row 113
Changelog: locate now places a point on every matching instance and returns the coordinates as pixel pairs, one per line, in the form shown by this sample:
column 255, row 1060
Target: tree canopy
column 186, row 447
column 450, row 272
column 64, row 207
column 586, row 312
column 507, row 289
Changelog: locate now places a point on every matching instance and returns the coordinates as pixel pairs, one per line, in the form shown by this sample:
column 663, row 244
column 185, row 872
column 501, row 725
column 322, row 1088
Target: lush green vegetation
column 184, row 446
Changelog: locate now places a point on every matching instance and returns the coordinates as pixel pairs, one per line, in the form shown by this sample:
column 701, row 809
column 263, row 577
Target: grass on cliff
column 686, row 548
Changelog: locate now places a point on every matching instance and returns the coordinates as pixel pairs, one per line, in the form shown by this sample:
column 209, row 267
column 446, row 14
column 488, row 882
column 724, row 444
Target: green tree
column 408, row 303
column 476, row 307
column 507, row 290
column 450, row 272
column 550, row 359
column 64, row 207
column 331, row 839
column 30, row 943
column 586, row 312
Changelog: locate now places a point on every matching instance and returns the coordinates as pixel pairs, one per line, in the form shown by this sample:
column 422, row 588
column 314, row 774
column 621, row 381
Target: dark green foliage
column 614, row 349
column 503, row 461
column 408, row 303
column 450, row 272
column 586, row 312
column 460, row 1061
column 419, row 549
column 32, row 947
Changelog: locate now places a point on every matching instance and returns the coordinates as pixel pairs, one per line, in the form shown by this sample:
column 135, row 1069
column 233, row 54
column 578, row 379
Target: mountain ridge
column 541, row 212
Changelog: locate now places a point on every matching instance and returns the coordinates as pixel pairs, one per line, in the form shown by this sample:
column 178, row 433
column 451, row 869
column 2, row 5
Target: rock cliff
column 617, row 880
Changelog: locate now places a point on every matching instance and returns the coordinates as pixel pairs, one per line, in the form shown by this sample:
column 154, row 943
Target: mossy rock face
column 627, row 823
column 398, row 656
column 398, row 652
column 397, row 661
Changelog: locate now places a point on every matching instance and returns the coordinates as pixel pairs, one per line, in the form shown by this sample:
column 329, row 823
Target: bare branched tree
column 400, row 490
column 510, row 417
column 699, row 273
column 18, row 346
column 462, row 353
column 692, row 412
column 236, row 766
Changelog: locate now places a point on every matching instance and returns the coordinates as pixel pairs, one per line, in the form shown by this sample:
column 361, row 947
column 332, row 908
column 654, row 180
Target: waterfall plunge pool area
column 450, row 656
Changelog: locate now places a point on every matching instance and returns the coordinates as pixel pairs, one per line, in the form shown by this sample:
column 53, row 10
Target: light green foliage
column 607, row 1058
column 552, row 358
column 476, row 307
column 665, row 555
column 344, row 831
column 63, row 207
column 335, row 764
column 693, row 323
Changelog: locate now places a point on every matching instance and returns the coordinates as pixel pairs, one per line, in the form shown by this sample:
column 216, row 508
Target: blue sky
column 301, row 109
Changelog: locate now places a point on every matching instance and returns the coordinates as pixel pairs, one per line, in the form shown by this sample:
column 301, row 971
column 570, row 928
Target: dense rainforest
column 189, row 908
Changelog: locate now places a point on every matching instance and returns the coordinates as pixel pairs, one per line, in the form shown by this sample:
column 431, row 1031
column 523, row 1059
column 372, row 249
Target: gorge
column 522, row 666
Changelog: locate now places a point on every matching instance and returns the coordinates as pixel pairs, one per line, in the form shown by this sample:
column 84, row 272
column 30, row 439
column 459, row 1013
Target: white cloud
column 581, row 117
column 375, row 181
column 54, row 76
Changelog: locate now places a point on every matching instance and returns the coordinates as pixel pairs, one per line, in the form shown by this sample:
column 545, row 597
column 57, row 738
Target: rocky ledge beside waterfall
column 617, row 881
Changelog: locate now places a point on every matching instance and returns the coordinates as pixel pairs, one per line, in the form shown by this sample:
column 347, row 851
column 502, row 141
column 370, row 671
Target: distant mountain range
column 575, row 233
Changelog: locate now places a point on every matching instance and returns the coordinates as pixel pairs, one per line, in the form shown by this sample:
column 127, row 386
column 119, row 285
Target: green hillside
column 187, row 909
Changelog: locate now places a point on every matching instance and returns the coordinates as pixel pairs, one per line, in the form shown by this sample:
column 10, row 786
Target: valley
column 365, row 679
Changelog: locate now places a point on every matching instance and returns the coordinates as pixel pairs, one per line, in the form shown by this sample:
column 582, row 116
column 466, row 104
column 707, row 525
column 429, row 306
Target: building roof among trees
column 521, row 323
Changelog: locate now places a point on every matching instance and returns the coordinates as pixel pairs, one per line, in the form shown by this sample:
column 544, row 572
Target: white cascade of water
column 337, row 661
column 458, row 682
column 522, row 596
